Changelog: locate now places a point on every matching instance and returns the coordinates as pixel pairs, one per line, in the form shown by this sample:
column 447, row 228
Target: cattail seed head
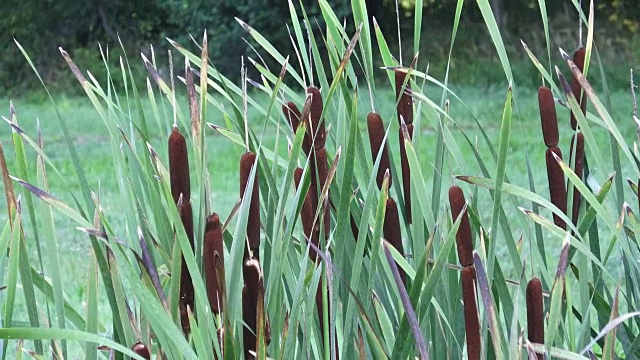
column 142, row 350
column 464, row 238
column 213, row 244
column 392, row 232
column 557, row 189
column 247, row 161
column 578, row 141
column 321, row 165
column 187, row 298
column 292, row 114
column 376, row 139
column 405, row 103
column 252, row 280
column 306, row 216
column 548, row 117
column 406, row 171
column 316, row 126
column 578, row 59
column 535, row 315
column 179, row 167
column 471, row 322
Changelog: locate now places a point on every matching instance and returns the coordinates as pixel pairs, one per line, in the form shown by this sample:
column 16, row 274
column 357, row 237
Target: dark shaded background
column 41, row 26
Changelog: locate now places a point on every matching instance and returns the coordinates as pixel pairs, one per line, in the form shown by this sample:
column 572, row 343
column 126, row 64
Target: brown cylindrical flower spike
column 557, row 189
column 142, row 350
column 376, row 139
column 548, row 117
column 579, row 170
column 306, row 216
column 471, row 322
column 578, row 59
column 405, row 114
column 464, row 238
column 252, row 285
column 179, row 167
column 247, row 161
column 292, row 114
column 391, row 231
column 187, row 297
column 321, row 165
column 213, row 244
column 535, row 315
column 316, row 126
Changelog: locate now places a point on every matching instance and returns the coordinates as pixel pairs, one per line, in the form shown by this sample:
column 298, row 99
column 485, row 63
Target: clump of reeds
column 464, row 244
column 405, row 118
column 535, row 313
column 181, row 193
column 555, row 176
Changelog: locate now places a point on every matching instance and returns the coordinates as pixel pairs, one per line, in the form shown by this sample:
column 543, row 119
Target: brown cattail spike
column 321, row 165
column 548, row 117
column 406, row 172
column 187, row 298
column 405, row 103
column 306, row 216
column 579, row 170
column 464, row 239
column 316, row 126
column 405, row 114
column 376, row 138
column 247, row 161
column 471, row 322
column 213, row 244
column 578, row 59
column 535, row 315
column 252, row 276
column 292, row 114
column 179, row 167
column 557, row 189
column 142, row 350
column 392, row 232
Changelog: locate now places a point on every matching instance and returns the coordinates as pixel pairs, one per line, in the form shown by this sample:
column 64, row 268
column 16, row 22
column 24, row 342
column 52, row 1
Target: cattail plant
column 578, row 168
column 181, row 193
column 535, row 315
column 464, row 245
column 213, row 246
column 405, row 116
column 549, row 121
column 576, row 88
column 253, row 286
column 311, row 232
column 247, row 161
column 142, row 350
column 557, row 189
column 391, row 231
column 376, row 139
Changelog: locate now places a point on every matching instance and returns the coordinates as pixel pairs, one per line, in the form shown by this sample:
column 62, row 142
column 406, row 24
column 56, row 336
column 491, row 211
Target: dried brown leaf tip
column 292, row 114
column 315, row 126
column 464, row 239
column 247, row 161
column 557, row 189
column 578, row 141
column 548, row 117
column 578, row 59
column 179, row 167
column 535, row 314
column 471, row 322
column 376, row 139
column 213, row 243
column 392, row 232
column 253, row 285
column 142, row 350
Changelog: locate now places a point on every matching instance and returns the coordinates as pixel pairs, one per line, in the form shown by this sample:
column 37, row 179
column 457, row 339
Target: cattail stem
column 213, row 244
column 392, row 232
column 471, row 322
column 535, row 314
column 376, row 139
column 247, row 161
column 557, row 190
column 464, row 238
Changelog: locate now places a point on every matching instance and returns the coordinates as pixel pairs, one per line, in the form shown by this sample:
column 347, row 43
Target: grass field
column 92, row 143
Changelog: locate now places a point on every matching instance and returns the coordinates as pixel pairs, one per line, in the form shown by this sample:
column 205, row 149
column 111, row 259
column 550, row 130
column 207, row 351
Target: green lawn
column 92, row 143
